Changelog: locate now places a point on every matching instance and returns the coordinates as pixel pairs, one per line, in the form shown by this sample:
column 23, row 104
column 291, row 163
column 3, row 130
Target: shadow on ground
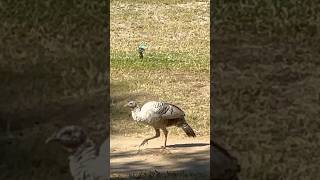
column 187, row 159
column 188, row 145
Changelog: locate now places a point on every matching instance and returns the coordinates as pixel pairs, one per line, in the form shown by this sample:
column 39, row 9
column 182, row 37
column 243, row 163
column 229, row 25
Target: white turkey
column 160, row 115
column 87, row 161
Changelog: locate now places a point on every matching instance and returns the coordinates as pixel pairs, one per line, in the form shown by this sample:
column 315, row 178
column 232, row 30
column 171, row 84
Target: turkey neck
column 79, row 161
column 135, row 113
column 87, row 147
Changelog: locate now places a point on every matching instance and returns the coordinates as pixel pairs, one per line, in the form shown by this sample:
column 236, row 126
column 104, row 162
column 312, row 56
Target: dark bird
column 141, row 49
column 160, row 115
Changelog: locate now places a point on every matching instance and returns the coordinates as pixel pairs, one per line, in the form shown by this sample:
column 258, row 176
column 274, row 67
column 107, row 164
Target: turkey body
column 86, row 160
column 160, row 115
column 89, row 163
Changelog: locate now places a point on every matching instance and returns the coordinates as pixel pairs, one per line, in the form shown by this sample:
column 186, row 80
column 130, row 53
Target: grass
column 266, row 76
column 166, row 26
column 266, row 110
column 161, row 61
column 266, row 79
column 53, row 73
column 189, row 90
column 273, row 21
column 175, row 67
column 176, row 64
column 50, row 61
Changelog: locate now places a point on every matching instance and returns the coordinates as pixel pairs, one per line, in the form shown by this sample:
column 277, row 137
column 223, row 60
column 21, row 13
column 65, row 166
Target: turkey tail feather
column 188, row 130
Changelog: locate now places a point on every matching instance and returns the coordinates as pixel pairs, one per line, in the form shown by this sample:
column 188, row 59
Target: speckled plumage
column 86, row 160
column 160, row 115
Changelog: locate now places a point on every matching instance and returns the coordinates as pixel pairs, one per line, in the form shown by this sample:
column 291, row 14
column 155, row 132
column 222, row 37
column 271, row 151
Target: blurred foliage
column 274, row 19
column 49, row 51
column 266, row 86
column 53, row 67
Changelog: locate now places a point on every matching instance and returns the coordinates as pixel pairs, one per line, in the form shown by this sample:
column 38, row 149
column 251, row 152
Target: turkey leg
column 153, row 137
column 165, row 132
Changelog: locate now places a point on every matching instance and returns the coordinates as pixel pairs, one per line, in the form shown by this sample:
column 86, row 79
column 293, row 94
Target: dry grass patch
column 165, row 26
column 176, row 65
column 189, row 91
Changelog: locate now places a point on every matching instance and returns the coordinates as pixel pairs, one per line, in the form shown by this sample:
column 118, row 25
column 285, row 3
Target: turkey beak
column 52, row 138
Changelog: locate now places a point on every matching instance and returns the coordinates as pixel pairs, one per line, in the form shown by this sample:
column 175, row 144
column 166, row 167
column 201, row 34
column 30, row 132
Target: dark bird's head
column 141, row 49
column 70, row 137
column 132, row 104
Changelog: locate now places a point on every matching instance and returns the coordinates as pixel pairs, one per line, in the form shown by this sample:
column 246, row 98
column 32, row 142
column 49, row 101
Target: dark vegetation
column 53, row 73
column 266, row 75
column 266, row 78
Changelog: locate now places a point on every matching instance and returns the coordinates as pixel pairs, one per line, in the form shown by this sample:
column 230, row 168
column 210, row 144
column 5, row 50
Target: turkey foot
column 144, row 142
column 163, row 147
column 164, row 150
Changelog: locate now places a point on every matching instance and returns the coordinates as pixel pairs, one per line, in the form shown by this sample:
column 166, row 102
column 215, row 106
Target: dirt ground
column 190, row 155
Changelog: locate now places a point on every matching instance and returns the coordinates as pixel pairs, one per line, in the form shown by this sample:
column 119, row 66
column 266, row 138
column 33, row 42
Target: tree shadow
column 120, row 116
column 188, row 145
column 134, row 161
column 119, row 97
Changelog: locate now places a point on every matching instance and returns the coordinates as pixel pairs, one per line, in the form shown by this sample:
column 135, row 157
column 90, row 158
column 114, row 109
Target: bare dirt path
column 190, row 155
